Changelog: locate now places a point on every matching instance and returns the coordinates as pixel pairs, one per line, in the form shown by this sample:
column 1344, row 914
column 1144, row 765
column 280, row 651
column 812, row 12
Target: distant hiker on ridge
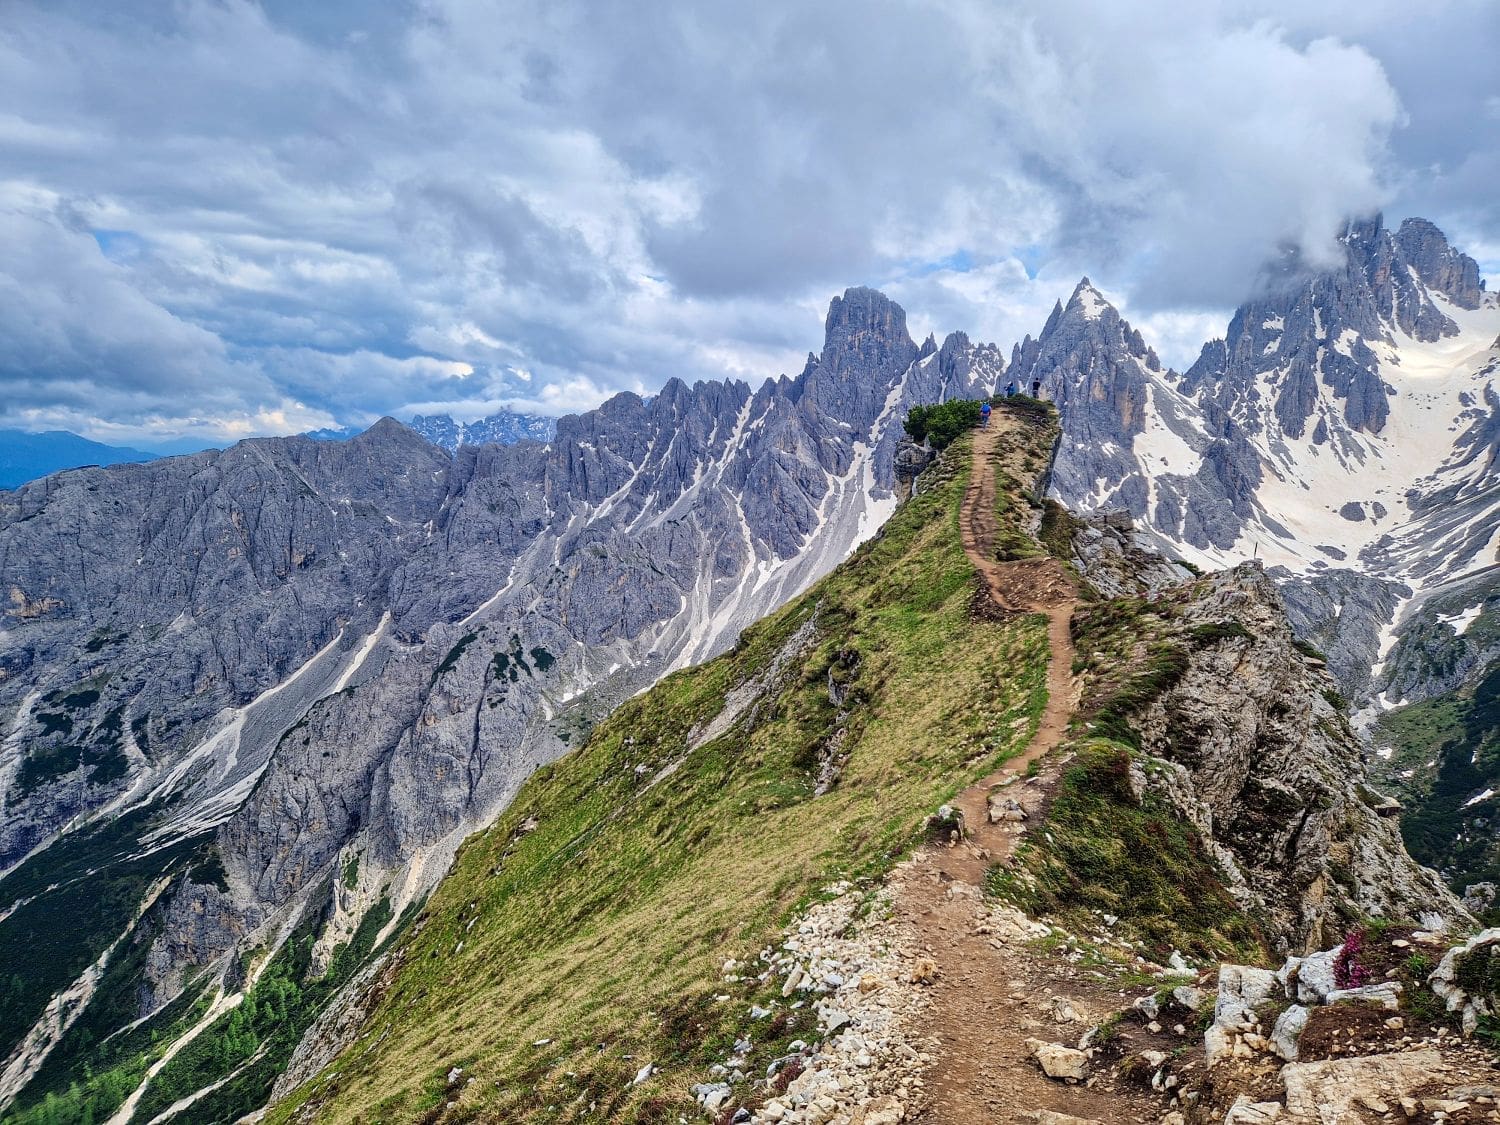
column 984, row 416
column 1010, row 389
column 1036, row 388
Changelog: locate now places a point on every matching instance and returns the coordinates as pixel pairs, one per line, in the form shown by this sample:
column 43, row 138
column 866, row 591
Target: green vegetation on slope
column 1106, row 849
column 1449, row 754
column 582, row 935
column 939, row 424
column 71, row 901
column 251, row 1044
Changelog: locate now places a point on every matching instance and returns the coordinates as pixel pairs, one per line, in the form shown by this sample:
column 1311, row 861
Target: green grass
column 1057, row 530
column 1215, row 631
column 603, row 929
column 1137, row 859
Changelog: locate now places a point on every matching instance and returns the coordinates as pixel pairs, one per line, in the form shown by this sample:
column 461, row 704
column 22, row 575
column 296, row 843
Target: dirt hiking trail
column 990, row 995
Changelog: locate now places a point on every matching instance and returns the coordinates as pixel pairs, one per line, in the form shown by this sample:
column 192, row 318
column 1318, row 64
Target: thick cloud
column 281, row 214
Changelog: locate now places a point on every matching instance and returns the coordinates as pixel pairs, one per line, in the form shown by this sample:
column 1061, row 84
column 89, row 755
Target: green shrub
column 941, row 422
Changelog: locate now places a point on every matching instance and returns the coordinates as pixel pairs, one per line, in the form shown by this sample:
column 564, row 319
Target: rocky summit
column 728, row 755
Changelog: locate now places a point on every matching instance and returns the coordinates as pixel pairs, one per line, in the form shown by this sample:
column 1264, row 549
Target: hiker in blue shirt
column 984, row 416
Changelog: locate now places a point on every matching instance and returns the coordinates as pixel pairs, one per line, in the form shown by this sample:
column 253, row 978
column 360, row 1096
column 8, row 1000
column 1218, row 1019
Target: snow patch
column 1459, row 622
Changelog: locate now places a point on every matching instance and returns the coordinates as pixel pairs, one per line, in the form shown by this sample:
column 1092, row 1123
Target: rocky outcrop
column 1257, row 755
column 1334, row 1091
column 1427, row 250
column 1116, row 559
column 1342, row 613
column 1449, row 640
column 1468, row 979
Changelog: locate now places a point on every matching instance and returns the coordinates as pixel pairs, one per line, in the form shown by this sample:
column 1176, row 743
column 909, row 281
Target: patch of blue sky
column 119, row 245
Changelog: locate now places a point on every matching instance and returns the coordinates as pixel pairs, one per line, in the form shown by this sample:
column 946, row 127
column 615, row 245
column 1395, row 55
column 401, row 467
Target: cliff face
column 1246, row 736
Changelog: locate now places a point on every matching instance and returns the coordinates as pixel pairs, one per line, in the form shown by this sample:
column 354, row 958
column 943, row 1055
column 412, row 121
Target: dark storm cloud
column 225, row 217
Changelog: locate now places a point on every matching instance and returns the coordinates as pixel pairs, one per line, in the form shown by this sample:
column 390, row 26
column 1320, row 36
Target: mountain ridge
column 344, row 658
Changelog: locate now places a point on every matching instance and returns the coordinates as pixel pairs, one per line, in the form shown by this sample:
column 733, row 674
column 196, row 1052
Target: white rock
column 1242, row 989
column 1186, row 996
column 1387, row 994
column 1287, row 1034
column 1246, row 1112
column 1059, row 1062
column 1286, row 976
column 644, row 1073
column 1063, row 1010
column 1218, row 1045
column 1325, row 1092
column 1315, row 977
column 794, row 978
column 1446, row 986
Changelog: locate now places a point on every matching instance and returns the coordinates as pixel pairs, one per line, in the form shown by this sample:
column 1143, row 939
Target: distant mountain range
column 30, row 456
column 276, row 686
column 25, row 456
column 505, row 427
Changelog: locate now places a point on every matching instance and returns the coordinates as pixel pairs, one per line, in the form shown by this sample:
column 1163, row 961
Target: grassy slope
column 1449, row 753
column 603, row 929
column 1104, row 850
column 1446, row 750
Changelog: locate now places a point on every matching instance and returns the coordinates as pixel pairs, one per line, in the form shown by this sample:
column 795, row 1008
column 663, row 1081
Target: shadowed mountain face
column 295, row 653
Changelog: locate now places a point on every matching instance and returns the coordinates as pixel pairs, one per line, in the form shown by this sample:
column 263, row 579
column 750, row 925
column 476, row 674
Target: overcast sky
column 231, row 218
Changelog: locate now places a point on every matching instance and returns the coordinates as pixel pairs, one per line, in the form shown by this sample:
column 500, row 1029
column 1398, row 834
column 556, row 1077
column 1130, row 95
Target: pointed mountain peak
column 1089, row 301
column 929, row 346
column 1087, row 320
column 1439, row 263
column 387, row 428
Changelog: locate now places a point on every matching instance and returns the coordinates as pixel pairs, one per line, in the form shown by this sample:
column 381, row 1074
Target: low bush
column 941, row 422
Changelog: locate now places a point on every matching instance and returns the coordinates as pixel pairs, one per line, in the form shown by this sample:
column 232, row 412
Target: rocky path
column 990, row 993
